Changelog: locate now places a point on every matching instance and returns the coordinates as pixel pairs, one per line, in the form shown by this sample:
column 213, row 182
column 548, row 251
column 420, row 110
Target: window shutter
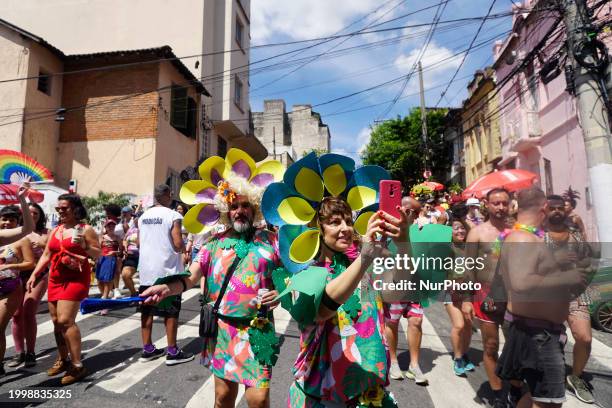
column 179, row 110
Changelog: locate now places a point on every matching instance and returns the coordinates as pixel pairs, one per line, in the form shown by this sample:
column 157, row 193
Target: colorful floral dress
column 231, row 357
column 344, row 359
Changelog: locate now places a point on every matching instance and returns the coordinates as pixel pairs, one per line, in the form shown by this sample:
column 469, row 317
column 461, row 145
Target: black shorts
column 131, row 260
column 172, row 310
column 535, row 356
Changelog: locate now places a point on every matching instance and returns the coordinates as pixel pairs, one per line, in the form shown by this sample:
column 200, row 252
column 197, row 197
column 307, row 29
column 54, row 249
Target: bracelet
column 328, row 302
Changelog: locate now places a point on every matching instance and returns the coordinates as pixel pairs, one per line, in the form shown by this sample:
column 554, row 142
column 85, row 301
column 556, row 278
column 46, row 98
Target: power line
column 432, row 29
column 467, row 52
column 342, row 42
column 114, row 66
column 169, row 87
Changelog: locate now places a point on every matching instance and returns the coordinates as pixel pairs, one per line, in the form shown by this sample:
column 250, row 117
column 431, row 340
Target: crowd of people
column 346, row 327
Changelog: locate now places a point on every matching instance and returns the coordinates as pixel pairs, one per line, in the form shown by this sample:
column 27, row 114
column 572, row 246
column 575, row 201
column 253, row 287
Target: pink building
column 540, row 129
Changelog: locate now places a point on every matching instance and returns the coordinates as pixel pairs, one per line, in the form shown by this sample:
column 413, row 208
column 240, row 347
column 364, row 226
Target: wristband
column 328, row 302
column 184, row 285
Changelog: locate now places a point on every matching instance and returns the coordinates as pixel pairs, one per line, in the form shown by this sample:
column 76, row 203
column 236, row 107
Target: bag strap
column 226, row 280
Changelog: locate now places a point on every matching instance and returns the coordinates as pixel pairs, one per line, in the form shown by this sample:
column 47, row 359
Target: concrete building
column 214, row 36
column 290, row 135
column 481, row 132
column 125, row 129
column 540, row 129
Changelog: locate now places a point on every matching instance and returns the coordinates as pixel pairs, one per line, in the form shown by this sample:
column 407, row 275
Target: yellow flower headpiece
column 222, row 180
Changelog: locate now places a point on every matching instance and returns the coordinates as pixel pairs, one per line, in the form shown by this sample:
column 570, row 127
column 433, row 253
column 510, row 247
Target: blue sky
column 388, row 55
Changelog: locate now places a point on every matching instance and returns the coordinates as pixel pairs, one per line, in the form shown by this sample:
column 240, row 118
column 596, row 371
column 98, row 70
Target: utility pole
column 593, row 114
column 423, row 117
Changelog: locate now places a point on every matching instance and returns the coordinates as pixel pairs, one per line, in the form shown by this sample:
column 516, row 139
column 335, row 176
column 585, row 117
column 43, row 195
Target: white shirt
column 157, row 255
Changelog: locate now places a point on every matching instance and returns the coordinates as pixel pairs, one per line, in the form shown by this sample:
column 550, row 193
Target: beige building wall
column 190, row 27
column 14, row 60
column 109, row 25
column 40, row 136
column 117, row 166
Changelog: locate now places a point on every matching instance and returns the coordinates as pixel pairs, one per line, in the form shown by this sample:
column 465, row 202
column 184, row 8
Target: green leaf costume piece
column 265, row 344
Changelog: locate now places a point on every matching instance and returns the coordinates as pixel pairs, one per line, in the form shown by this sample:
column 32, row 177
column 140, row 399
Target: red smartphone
column 390, row 197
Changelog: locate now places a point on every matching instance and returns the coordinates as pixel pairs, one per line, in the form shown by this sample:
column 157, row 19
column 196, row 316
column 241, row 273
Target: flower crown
column 292, row 204
column 222, row 181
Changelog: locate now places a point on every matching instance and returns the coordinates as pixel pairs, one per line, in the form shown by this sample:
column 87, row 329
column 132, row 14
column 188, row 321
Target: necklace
column 516, row 227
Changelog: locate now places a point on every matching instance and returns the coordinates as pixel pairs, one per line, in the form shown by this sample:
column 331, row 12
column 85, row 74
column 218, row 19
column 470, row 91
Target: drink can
column 77, row 232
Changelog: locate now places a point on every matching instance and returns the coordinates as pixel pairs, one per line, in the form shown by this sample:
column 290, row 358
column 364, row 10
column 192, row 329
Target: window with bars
column 183, row 111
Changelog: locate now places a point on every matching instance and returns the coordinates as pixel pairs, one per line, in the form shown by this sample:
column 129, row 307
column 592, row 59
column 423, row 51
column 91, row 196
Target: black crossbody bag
column 209, row 313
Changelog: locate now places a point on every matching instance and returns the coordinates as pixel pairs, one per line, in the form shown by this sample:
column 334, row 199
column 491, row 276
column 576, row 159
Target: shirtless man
column 539, row 293
column 480, row 240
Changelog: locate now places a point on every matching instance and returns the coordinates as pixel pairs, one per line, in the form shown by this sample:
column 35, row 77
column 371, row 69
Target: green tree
column 397, row 145
column 95, row 205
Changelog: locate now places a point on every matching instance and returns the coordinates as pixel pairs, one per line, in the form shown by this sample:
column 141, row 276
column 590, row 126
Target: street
column 112, row 345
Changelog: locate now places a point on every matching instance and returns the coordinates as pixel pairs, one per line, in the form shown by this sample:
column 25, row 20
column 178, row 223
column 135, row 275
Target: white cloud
column 434, row 54
column 303, row 19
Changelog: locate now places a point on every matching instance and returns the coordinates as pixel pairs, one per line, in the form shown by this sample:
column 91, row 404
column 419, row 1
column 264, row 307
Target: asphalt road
column 112, row 344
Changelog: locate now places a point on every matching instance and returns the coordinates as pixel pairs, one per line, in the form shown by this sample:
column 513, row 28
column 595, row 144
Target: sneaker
column 17, row 360
column 178, row 358
column 117, row 294
column 395, row 373
column 469, row 366
column 103, row 312
column 30, row 360
column 156, row 353
column 580, row 388
column 459, row 367
column 415, row 373
column 58, row 367
column 74, row 374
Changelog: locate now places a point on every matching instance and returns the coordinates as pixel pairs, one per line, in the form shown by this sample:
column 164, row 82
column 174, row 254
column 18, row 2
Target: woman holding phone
column 67, row 251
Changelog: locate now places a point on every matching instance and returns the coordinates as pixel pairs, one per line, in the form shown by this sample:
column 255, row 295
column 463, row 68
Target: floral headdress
column 222, row 181
column 292, row 204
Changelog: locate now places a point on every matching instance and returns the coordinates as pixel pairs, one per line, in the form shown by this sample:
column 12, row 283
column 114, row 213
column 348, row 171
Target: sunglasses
column 557, row 207
column 61, row 209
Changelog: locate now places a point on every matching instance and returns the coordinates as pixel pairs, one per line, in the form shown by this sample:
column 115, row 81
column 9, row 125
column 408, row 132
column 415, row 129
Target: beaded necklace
column 516, row 227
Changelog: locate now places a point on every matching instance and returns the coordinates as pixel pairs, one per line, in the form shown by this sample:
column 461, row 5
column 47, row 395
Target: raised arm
column 9, row 236
column 342, row 287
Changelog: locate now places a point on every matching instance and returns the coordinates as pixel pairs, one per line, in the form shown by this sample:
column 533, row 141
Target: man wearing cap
column 473, row 217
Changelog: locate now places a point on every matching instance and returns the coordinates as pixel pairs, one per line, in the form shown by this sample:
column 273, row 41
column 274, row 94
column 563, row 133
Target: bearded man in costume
column 244, row 349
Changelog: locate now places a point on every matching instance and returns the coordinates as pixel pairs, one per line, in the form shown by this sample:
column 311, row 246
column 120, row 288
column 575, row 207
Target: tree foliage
column 95, row 205
column 397, row 145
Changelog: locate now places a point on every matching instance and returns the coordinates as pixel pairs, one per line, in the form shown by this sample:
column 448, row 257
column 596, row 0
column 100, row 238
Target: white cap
column 473, row 201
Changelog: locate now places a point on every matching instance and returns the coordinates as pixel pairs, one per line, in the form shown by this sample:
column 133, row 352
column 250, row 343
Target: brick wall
column 105, row 117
